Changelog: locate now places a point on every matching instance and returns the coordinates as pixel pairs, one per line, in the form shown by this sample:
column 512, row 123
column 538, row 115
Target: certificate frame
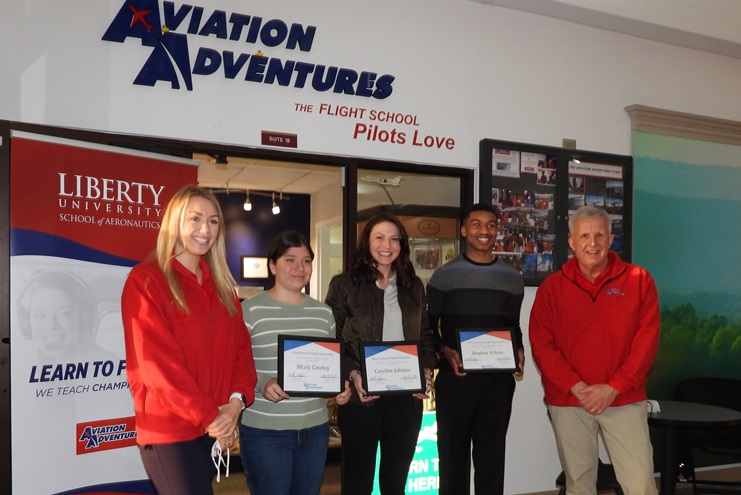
column 381, row 363
column 488, row 350
column 309, row 378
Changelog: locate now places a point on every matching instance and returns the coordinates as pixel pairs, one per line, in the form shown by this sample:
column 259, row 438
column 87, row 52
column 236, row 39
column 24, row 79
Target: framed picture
column 487, row 350
column 427, row 258
column 253, row 267
column 310, row 366
column 505, row 163
column 392, row 367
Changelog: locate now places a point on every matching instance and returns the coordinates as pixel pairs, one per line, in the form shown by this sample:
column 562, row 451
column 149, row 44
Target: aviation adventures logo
column 108, row 434
column 173, row 30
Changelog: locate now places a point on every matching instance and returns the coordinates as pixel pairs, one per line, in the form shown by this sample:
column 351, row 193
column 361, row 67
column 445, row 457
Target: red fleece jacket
column 181, row 367
column 601, row 332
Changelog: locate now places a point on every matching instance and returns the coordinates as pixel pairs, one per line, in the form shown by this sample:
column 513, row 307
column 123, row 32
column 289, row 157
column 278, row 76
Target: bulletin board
column 535, row 188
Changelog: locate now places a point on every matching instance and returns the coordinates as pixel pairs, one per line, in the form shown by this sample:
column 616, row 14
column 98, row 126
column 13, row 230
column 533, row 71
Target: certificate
column 310, row 366
column 392, row 368
column 488, row 350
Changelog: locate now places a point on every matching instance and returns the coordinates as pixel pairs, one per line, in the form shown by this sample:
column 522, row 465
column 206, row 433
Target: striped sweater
column 267, row 318
column 466, row 294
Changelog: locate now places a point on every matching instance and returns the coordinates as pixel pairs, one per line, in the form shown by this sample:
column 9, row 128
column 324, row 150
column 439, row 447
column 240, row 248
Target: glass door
column 428, row 203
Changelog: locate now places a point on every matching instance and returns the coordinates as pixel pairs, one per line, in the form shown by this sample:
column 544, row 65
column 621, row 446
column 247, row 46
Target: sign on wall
column 81, row 216
column 186, row 47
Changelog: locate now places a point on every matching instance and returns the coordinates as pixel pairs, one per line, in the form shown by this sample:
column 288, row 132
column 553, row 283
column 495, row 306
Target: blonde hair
column 168, row 236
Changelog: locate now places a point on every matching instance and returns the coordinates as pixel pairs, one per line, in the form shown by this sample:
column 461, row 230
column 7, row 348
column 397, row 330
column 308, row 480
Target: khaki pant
column 625, row 433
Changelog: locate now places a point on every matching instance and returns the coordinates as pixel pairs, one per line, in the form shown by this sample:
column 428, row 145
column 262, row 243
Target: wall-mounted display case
column 535, row 188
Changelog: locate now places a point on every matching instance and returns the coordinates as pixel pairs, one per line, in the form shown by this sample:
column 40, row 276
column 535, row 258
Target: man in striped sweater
column 474, row 290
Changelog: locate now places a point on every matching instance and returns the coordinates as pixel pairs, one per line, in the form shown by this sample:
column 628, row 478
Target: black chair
column 723, row 392
column 606, row 480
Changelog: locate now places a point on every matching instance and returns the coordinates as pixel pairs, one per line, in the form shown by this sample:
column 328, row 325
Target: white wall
column 466, row 70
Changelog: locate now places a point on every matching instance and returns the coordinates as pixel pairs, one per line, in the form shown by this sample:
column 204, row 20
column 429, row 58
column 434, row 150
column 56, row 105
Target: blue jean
column 284, row 462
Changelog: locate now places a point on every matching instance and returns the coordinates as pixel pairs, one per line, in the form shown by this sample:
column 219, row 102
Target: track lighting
column 276, row 208
column 276, row 196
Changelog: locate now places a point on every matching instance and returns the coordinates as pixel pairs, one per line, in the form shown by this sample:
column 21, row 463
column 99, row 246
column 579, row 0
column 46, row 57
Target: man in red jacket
column 594, row 331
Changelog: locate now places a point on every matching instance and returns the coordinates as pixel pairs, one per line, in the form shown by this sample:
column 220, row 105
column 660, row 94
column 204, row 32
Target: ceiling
column 708, row 25
column 273, row 176
column 265, row 175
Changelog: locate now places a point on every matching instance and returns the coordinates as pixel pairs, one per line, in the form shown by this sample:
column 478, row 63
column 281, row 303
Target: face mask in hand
column 218, row 460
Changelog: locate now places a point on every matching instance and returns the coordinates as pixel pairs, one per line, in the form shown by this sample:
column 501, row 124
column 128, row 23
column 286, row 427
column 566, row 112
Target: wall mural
column 687, row 227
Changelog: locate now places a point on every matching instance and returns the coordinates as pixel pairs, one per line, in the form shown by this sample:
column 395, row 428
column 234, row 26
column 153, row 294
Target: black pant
column 475, row 408
column 394, row 421
column 180, row 468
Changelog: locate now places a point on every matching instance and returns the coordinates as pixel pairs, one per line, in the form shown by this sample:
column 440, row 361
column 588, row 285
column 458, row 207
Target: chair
column 723, row 392
column 606, row 480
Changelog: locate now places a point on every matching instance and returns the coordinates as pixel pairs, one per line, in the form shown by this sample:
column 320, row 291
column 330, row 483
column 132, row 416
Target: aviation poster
column 81, row 216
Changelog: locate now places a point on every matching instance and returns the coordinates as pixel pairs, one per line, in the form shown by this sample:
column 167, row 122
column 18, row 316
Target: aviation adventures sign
column 173, row 31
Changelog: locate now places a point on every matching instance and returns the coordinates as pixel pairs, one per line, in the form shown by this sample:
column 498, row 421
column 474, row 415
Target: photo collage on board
column 523, row 190
column 600, row 185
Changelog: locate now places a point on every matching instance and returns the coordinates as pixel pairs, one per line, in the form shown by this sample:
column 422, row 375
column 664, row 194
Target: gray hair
column 590, row 212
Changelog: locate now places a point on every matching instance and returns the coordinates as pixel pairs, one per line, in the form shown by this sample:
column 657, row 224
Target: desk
column 675, row 415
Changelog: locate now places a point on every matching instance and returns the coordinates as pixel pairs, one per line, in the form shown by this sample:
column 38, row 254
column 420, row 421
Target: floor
column 725, row 474
column 236, row 484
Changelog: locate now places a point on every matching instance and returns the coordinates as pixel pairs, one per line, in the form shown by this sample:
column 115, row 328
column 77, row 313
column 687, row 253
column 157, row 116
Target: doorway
column 427, row 198
column 273, row 195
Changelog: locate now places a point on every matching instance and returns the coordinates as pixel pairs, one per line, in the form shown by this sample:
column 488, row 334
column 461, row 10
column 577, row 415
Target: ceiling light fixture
column 276, row 208
column 276, row 196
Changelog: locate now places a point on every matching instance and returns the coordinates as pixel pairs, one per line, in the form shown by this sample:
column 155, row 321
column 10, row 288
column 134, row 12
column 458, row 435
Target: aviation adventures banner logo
column 172, row 31
column 109, row 434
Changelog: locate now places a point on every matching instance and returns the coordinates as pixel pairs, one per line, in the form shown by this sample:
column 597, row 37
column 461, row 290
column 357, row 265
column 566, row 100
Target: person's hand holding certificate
column 392, row 368
column 487, row 350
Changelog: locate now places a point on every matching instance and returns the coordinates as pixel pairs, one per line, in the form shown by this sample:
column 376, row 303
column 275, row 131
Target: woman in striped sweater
column 284, row 440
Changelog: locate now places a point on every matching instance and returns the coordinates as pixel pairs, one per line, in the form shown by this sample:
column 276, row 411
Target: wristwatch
column 241, row 398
